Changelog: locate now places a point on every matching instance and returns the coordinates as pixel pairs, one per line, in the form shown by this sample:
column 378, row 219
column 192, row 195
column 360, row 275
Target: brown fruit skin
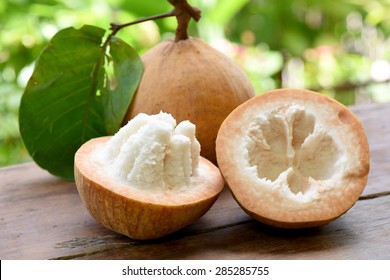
column 341, row 200
column 284, row 225
column 133, row 218
column 114, row 207
column 192, row 81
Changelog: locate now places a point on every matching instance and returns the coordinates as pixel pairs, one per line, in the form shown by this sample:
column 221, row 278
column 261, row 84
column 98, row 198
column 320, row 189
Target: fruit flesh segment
column 288, row 147
column 152, row 152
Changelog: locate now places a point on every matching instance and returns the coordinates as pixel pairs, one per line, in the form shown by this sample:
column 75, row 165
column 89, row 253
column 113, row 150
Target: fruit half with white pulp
column 148, row 180
column 293, row 158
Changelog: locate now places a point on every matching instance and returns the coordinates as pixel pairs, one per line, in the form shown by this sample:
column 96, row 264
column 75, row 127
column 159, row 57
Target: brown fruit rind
column 271, row 207
column 136, row 213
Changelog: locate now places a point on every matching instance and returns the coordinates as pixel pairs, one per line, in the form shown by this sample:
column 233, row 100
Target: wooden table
column 42, row 217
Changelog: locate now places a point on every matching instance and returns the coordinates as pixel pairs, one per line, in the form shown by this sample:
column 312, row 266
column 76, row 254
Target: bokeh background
column 339, row 48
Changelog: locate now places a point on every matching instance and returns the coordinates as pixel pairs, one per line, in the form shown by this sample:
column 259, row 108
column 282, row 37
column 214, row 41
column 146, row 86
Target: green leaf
column 66, row 99
column 121, row 83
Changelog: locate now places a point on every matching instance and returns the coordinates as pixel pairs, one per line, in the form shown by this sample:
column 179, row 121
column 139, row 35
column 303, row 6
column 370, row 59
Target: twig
column 116, row 27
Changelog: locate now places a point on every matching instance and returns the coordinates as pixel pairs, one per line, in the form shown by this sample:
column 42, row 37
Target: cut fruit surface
column 293, row 158
column 148, row 180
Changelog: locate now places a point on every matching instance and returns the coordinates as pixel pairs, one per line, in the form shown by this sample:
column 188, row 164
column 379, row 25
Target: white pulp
column 152, row 152
column 289, row 150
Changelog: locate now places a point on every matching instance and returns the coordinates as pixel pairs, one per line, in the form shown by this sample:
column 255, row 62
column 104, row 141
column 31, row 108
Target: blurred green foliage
column 338, row 48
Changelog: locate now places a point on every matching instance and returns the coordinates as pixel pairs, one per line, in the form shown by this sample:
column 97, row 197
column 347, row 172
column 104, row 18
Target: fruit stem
column 184, row 12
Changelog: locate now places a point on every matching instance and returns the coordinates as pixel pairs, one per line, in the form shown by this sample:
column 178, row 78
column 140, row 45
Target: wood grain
column 42, row 217
column 356, row 235
column 375, row 120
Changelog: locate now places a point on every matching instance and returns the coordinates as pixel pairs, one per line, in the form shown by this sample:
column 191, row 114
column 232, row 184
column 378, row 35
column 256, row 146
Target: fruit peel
column 135, row 205
column 289, row 167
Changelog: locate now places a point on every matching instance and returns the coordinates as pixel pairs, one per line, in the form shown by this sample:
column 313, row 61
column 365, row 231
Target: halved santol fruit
column 293, row 158
column 148, row 180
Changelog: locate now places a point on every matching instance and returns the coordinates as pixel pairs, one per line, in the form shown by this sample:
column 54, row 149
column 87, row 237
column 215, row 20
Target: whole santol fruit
column 148, row 180
column 191, row 80
column 293, row 158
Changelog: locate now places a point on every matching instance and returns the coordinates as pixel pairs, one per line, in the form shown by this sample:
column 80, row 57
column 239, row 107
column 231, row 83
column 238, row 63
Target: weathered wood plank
column 37, row 212
column 42, row 216
column 33, row 233
column 357, row 235
column 374, row 118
